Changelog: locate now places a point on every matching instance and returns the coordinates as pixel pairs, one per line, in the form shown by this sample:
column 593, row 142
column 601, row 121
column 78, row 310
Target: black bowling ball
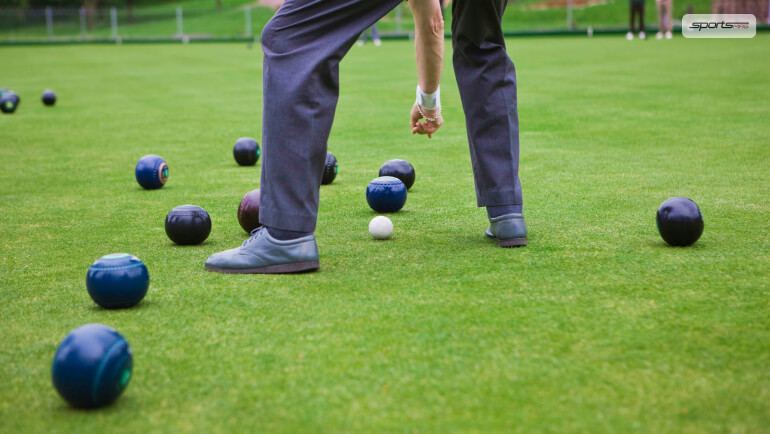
column 400, row 169
column 49, row 98
column 679, row 221
column 246, row 151
column 188, row 225
column 330, row 169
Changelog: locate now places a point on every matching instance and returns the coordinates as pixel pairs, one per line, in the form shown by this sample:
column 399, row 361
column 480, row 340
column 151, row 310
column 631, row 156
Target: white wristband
column 429, row 101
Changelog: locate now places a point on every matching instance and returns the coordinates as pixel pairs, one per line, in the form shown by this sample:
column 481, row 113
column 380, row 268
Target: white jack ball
column 381, row 228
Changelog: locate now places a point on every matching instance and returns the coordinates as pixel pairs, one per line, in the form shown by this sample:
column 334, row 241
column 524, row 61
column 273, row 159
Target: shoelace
column 254, row 235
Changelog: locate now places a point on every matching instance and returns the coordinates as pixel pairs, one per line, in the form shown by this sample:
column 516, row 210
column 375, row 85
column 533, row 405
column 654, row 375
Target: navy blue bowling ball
column 151, row 172
column 246, row 151
column 188, row 225
column 49, row 98
column 330, row 169
column 9, row 102
column 92, row 366
column 386, row 194
column 117, row 281
column 679, row 221
column 400, row 169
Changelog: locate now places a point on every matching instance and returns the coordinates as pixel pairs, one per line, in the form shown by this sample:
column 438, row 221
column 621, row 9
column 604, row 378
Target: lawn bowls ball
column 381, row 228
column 92, row 366
column 330, row 169
column 117, row 281
column 248, row 211
column 49, row 98
column 246, row 151
column 386, row 194
column 151, row 172
column 188, row 225
column 679, row 221
column 9, row 102
column 400, row 169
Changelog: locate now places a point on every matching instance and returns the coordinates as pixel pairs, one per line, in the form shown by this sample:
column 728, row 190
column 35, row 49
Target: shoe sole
column 512, row 242
column 296, row 267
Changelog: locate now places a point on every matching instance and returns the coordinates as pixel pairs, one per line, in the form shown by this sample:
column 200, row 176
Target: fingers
column 424, row 128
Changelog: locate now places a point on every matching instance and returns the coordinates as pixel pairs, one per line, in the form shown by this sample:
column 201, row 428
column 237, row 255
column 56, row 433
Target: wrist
column 429, row 115
column 429, row 101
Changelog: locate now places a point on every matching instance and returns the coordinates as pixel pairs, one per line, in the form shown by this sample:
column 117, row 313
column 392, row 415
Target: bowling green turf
column 596, row 326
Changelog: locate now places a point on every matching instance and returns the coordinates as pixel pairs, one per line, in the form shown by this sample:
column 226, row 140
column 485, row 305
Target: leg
column 641, row 17
column 487, row 80
column 661, row 18
column 303, row 45
column 631, row 13
column 669, row 20
column 637, row 16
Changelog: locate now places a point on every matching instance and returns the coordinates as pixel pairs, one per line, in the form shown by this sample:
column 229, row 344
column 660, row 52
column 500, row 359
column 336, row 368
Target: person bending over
column 303, row 45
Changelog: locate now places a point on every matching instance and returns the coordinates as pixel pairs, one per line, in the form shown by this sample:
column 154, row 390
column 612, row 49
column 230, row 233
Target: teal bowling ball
column 117, row 281
column 9, row 102
column 151, row 172
column 92, row 366
column 386, row 194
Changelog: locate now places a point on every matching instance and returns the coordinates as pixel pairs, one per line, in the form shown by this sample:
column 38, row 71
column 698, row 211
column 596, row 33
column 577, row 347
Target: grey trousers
column 303, row 45
column 487, row 81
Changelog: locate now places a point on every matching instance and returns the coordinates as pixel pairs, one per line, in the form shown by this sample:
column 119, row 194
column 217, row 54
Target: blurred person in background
column 665, row 24
column 637, row 8
column 375, row 36
column 444, row 5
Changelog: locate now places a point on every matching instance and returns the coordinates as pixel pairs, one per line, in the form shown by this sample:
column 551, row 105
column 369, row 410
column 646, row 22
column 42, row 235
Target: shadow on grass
column 65, row 408
column 200, row 246
column 142, row 305
column 660, row 244
column 139, row 188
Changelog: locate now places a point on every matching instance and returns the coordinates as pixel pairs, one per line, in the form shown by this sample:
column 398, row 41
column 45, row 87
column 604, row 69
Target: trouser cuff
column 498, row 198
column 286, row 221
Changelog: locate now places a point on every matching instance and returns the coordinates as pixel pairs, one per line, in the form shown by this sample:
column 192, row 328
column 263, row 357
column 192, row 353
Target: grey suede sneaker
column 263, row 254
column 509, row 230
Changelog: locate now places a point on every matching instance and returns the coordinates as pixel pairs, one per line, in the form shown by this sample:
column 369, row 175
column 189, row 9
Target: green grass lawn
column 596, row 326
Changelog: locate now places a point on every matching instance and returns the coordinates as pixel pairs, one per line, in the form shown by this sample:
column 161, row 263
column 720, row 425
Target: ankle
column 284, row 235
column 497, row 211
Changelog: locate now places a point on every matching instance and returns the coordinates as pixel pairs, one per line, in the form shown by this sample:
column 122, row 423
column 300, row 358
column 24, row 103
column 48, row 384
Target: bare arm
column 429, row 47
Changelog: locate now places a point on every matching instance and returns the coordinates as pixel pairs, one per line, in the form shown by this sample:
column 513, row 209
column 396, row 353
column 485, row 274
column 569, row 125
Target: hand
column 427, row 127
